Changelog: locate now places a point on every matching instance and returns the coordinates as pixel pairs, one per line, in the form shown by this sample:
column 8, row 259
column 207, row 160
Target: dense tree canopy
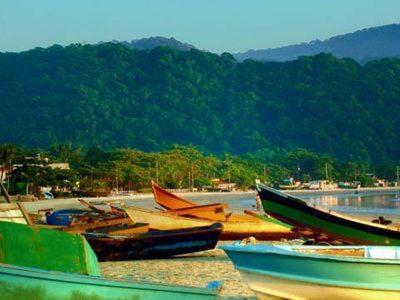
column 109, row 96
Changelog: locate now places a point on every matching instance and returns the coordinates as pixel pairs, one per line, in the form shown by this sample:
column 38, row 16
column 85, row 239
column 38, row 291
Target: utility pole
column 191, row 172
column 265, row 173
column 116, row 177
column 157, row 171
column 91, row 178
column 397, row 175
column 326, row 171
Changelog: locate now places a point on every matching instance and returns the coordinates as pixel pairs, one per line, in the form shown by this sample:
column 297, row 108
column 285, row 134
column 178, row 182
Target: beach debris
column 250, row 240
column 382, row 220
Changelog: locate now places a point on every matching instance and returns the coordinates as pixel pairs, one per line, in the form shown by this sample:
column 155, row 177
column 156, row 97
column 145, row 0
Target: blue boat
column 319, row 272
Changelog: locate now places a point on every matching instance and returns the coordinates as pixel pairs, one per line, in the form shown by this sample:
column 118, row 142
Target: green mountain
column 111, row 96
column 362, row 45
column 154, row 42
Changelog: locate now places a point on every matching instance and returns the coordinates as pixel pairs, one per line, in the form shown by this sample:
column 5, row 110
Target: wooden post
column 25, row 213
column 6, row 195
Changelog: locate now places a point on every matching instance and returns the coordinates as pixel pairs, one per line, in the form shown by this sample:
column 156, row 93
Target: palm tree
column 6, row 155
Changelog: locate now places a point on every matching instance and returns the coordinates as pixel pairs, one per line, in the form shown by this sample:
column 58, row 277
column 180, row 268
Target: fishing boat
column 47, row 249
column 260, row 229
column 319, row 272
column 43, row 264
column 179, row 206
column 325, row 223
column 154, row 244
column 31, row 283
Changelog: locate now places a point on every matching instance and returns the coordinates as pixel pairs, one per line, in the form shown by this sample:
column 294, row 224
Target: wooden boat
column 120, row 226
column 261, row 230
column 319, row 272
column 328, row 224
column 154, row 244
column 10, row 212
column 47, row 249
column 43, row 264
column 181, row 206
column 176, row 205
column 31, row 283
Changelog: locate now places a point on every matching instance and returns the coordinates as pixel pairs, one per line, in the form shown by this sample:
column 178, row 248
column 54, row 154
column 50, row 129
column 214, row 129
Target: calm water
column 369, row 205
column 374, row 204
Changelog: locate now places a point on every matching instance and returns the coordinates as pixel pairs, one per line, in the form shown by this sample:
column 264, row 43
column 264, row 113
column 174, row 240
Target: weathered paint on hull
column 155, row 244
column 336, row 227
column 334, row 230
column 231, row 231
column 47, row 249
column 35, row 284
column 264, row 286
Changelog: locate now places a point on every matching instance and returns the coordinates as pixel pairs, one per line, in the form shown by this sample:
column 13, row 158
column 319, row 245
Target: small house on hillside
column 223, row 186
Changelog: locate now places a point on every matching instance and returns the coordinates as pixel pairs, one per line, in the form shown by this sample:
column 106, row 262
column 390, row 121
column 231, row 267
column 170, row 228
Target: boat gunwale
column 283, row 251
column 214, row 227
column 198, row 220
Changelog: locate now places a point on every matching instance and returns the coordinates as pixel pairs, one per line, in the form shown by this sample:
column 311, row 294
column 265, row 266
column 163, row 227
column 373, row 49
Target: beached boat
column 260, row 229
column 328, row 224
column 44, row 264
column 319, row 272
column 154, row 244
column 179, row 206
column 47, row 249
column 36, row 284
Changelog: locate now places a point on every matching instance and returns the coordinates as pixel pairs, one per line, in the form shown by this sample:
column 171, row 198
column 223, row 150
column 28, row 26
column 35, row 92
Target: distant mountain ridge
column 362, row 45
column 156, row 41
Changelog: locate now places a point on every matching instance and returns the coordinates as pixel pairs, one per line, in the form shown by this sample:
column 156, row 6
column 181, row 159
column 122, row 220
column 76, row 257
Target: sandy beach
column 189, row 270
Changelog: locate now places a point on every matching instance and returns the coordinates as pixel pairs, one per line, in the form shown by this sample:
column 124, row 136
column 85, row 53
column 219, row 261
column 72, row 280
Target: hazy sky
column 215, row 25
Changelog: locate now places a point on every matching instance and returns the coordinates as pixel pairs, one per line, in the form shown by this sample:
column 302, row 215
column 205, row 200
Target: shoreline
column 146, row 199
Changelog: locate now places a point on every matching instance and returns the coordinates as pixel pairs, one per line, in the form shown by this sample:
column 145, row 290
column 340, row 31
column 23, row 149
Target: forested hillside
column 111, row 96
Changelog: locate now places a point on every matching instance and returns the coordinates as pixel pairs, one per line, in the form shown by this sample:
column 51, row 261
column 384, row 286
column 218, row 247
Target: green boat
column 42, row 264
column 323, row 223
column 319, row 272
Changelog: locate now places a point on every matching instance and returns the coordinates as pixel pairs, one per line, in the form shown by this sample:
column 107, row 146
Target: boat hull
column 261, row 230
column 270, row 271
column 155, row 244
column 265, row 286
column 336, row 227
column 30, row 283
column 47, row 249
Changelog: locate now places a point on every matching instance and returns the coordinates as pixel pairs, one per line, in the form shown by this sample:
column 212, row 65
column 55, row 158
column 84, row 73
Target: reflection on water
column 368, row 204
column 372, row 204
column 388, row 203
